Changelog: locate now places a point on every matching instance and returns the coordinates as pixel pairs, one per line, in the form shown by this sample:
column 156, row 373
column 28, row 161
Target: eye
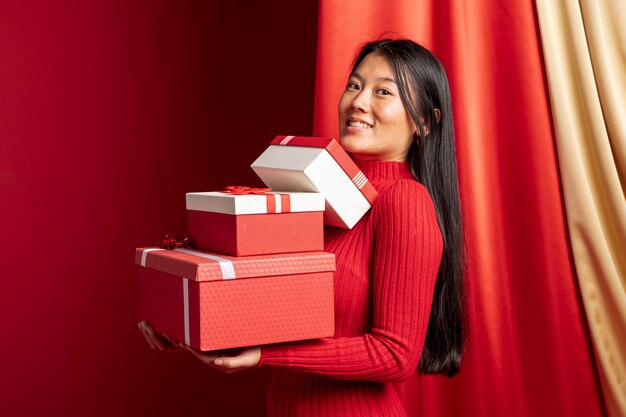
column 384, row 92
column 353, row 85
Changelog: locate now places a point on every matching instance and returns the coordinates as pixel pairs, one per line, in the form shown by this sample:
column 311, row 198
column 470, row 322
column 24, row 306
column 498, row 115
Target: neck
column 377, row 171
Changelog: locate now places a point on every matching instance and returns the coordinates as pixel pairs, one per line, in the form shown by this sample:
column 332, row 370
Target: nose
column 361, row 101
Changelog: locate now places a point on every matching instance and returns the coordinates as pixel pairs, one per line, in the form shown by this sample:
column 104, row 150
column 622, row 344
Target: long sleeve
column 405, row 253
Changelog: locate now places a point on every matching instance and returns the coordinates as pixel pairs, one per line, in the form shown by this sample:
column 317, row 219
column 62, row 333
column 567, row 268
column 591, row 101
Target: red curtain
column 528, row 352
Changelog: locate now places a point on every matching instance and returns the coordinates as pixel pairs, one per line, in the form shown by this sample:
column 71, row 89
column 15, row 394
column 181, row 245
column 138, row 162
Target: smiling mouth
column 358, row 124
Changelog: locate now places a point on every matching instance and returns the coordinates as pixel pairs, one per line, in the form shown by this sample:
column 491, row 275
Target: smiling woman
column 373, row 123
column 399, row 273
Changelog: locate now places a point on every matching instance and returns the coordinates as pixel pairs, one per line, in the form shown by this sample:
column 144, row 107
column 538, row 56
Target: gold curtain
column 584, row 46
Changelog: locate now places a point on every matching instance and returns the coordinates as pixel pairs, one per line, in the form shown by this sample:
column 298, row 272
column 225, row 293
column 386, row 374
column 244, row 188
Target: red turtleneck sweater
column 386, row 271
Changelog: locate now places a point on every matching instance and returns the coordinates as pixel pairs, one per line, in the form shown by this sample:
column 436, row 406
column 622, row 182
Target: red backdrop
column 109, row 112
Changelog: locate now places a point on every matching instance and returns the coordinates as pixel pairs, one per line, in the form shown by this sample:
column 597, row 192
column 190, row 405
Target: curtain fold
column 528, row 352
column 585, row 54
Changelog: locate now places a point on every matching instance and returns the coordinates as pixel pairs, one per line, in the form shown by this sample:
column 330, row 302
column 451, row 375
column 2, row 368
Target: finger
column 155, row 338
column 247, row 359
column 170, row 344
column 142, row 328
column 206, row 358
column 149, row 339
column 232, row 362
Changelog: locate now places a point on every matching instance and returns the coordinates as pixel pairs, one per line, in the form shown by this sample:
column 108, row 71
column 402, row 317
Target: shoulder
column 404, row 210
column 403, row 190
column 403, row 199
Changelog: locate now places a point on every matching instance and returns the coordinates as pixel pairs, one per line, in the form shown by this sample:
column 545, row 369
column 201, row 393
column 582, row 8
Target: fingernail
column 218, row 362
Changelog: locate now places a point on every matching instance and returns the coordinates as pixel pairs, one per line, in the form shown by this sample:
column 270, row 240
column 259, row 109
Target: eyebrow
column 357, row 75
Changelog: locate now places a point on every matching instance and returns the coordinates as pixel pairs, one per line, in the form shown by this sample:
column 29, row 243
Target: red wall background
column 109, row 112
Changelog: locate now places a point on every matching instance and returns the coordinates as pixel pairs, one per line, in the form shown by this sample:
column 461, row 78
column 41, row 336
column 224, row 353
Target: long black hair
column 425, row 93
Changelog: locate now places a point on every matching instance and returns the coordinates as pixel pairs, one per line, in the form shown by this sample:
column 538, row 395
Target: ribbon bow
column 174, row 241
column 242, row 190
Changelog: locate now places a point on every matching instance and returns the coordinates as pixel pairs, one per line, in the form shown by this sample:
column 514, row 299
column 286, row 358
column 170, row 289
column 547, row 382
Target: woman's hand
column 246, row 358
column 157, row 340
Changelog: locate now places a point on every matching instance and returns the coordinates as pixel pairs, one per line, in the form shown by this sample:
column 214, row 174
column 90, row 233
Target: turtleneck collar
column 380, row 171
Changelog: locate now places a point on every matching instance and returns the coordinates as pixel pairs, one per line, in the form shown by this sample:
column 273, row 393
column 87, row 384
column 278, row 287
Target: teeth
column 358, row 124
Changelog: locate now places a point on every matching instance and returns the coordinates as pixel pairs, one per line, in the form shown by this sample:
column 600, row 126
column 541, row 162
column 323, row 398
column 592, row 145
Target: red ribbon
column 175, row 241
column 242, row 190
column 270, row 198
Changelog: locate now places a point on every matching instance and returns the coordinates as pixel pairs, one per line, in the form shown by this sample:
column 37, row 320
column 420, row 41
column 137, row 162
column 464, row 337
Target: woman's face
column 373, row 123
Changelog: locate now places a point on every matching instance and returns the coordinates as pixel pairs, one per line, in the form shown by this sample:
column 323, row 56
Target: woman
column 399, row 277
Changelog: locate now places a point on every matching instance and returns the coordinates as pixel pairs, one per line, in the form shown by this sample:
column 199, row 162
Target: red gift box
column 256, row 224
column 211, row 301
column 298, row 163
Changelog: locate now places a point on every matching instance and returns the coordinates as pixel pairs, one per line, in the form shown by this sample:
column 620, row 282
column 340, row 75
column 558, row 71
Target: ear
column 427, row 125
column 416, row 131
column 437, row 114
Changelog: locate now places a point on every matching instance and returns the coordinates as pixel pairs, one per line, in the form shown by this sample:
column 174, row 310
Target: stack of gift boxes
column 257, row 272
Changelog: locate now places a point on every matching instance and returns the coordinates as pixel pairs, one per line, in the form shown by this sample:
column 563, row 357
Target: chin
column 344, row 142
column 348, row 146
column 358, row 149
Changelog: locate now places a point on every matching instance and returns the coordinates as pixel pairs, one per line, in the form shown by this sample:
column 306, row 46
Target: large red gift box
column 298, row 163
column 211, row 301
column 256, row 224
